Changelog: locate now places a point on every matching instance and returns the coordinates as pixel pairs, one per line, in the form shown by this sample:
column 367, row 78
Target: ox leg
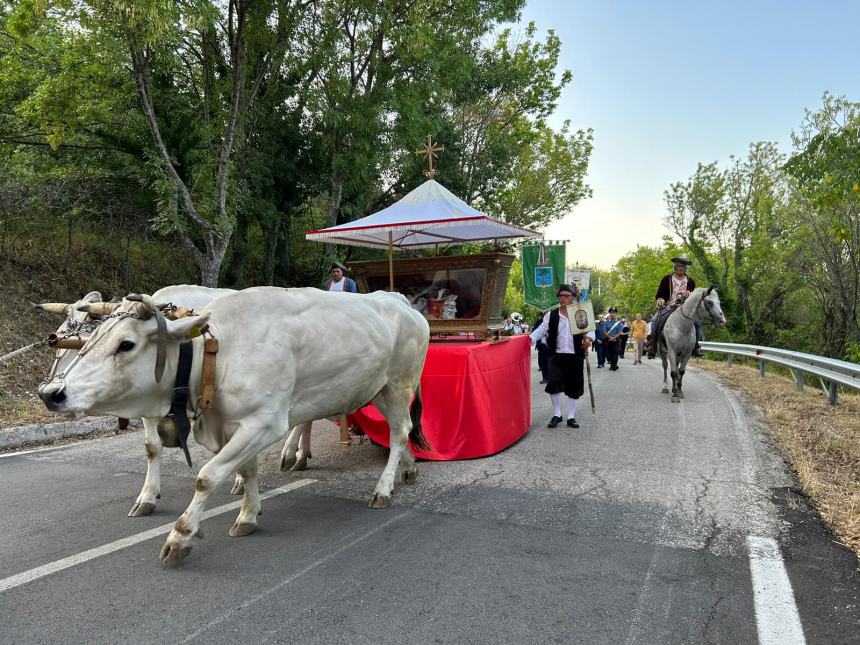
column 238, row 485
column 293, row 458
column 394, row 405
column 151, row 491
column 253, row 436
column 246, row 523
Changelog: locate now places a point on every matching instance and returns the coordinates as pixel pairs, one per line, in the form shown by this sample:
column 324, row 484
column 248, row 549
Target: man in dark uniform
column 567, row 353
column 673, row 290
column 613, row 328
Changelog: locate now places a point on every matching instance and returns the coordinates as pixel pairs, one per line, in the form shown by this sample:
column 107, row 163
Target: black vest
column 552, row 334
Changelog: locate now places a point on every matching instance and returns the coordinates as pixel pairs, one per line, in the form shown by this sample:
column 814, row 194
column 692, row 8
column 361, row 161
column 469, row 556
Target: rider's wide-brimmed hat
column 683, row 261
column 338, row 265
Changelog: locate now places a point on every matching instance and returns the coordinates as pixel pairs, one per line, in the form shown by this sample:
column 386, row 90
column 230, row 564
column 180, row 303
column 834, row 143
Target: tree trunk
column 271, row 248
column 334, row 204
column 283, row 260
column 235, row 276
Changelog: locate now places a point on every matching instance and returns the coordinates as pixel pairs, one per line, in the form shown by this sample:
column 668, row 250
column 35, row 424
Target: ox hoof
column 238, row 487
column 379, row 501
column 241, row 529
column 409, row 476
column 140, row 509
column 300, row 464
column 665, row 390
column 286, row 464
column 173, row 553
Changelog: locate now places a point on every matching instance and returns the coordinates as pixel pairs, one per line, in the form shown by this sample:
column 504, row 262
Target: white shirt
column 564, row 341
column 337, row 286
column 679, row 285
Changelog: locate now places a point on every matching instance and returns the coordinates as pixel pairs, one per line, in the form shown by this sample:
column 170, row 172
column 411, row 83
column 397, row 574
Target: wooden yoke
column 207, row 382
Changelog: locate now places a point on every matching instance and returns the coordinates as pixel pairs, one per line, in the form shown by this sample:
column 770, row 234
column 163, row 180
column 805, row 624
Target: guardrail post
column 729, row 358
column 832, row 389
column 798, row 379
column 761, row 367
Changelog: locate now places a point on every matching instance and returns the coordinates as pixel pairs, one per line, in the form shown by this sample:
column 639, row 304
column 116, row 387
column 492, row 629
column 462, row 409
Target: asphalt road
column 642, row 526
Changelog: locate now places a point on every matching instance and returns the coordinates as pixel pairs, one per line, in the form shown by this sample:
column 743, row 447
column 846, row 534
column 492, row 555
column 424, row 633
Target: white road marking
column 53, row 567
column 298, row 574
column 776, row 615
column 28, row 452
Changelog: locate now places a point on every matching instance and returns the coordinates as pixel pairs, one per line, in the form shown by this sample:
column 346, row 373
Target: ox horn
column 52, row 307
column 99, row 308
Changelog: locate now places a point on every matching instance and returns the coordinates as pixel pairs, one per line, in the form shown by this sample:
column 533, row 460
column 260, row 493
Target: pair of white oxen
column 286, row 358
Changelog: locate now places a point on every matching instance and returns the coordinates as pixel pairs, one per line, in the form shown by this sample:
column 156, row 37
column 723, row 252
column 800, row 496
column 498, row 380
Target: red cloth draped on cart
column 476, row 397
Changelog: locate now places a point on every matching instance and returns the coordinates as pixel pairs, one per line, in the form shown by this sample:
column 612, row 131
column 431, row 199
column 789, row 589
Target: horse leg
column 673, row 362
column 682, row 368
column 665, row 389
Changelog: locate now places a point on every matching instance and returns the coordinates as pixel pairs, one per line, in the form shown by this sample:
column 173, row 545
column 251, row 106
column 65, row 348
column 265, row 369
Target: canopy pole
column 390, row 261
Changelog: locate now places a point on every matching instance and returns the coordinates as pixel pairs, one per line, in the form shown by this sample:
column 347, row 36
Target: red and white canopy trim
column 427, row 216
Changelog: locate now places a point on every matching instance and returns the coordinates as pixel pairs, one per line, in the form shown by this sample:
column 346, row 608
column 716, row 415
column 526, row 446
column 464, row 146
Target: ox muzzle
column 53, row 394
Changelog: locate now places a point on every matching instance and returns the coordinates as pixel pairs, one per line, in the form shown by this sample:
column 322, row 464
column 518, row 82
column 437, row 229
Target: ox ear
column 186, row 328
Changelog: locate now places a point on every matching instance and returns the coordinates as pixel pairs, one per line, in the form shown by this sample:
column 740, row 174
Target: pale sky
column 666, row 85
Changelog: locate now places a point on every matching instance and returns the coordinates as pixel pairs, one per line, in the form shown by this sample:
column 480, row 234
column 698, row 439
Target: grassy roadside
column 822, row 442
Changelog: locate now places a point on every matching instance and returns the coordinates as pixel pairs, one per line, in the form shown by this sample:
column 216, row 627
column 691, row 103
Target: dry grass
column 31, row 274
column 822, row 442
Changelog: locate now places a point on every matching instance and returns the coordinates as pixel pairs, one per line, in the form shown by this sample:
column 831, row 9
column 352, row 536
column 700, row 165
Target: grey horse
column 678, row 337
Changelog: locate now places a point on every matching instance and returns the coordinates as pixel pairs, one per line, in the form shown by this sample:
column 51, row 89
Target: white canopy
column 427, row 216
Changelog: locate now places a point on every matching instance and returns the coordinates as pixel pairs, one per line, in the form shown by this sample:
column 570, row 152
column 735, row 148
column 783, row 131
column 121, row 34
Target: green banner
column 543, row 272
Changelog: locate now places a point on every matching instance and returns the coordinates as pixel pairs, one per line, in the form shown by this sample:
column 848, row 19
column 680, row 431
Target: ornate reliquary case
column 457, row 294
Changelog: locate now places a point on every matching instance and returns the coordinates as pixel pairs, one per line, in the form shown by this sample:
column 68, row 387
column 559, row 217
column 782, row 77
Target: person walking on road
column 613, row 337
column 639, row 330
column 600, row 339
column 567, row 355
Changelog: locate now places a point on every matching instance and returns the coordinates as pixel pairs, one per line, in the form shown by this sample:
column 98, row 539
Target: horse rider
column 567, row 354
column 614, row 329
column 674, row 289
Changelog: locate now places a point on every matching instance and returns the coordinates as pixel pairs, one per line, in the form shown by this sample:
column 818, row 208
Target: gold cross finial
column 430, row 152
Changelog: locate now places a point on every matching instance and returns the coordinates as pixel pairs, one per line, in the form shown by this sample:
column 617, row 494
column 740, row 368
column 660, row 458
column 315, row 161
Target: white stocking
column 556, row 403
column 572, row 404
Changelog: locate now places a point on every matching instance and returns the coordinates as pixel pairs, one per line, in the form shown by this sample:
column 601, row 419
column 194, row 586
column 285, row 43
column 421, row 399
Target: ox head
column 78, row 321
column 711, row 302
column 115, row 372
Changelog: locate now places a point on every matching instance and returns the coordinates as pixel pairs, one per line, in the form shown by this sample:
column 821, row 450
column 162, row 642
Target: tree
column 825, row 169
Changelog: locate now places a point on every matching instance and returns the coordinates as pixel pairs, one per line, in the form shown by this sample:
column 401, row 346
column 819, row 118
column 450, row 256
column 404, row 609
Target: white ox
column 286, row 357
column 190, row 296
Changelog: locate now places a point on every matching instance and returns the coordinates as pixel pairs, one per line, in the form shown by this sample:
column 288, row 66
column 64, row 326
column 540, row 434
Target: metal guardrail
column 831, row 373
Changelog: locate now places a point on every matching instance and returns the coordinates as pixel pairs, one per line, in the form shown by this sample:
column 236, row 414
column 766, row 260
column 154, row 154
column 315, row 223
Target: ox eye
column 125, row 346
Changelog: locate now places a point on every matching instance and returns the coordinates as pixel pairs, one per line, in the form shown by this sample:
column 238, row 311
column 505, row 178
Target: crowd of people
column 561, row 354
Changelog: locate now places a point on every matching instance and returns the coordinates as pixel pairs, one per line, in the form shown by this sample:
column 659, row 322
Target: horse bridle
column 701, row 300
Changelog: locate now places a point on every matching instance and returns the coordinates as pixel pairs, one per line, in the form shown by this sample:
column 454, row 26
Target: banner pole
column 390, row 261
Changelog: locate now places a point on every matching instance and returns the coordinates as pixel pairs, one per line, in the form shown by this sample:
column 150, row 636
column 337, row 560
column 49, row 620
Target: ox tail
column 417, row 435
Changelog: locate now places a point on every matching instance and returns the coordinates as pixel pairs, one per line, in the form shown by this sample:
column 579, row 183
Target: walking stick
column 590, row 388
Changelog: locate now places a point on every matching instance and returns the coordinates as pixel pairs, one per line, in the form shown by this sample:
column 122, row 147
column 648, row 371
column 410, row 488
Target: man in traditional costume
column 673, row 290
column 338, row 280
column 566, row 355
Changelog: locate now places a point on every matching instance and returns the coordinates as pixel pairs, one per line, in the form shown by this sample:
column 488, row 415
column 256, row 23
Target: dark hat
column 683, row 261
column 338, row 265
column 613, row 310
column 568, row 288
